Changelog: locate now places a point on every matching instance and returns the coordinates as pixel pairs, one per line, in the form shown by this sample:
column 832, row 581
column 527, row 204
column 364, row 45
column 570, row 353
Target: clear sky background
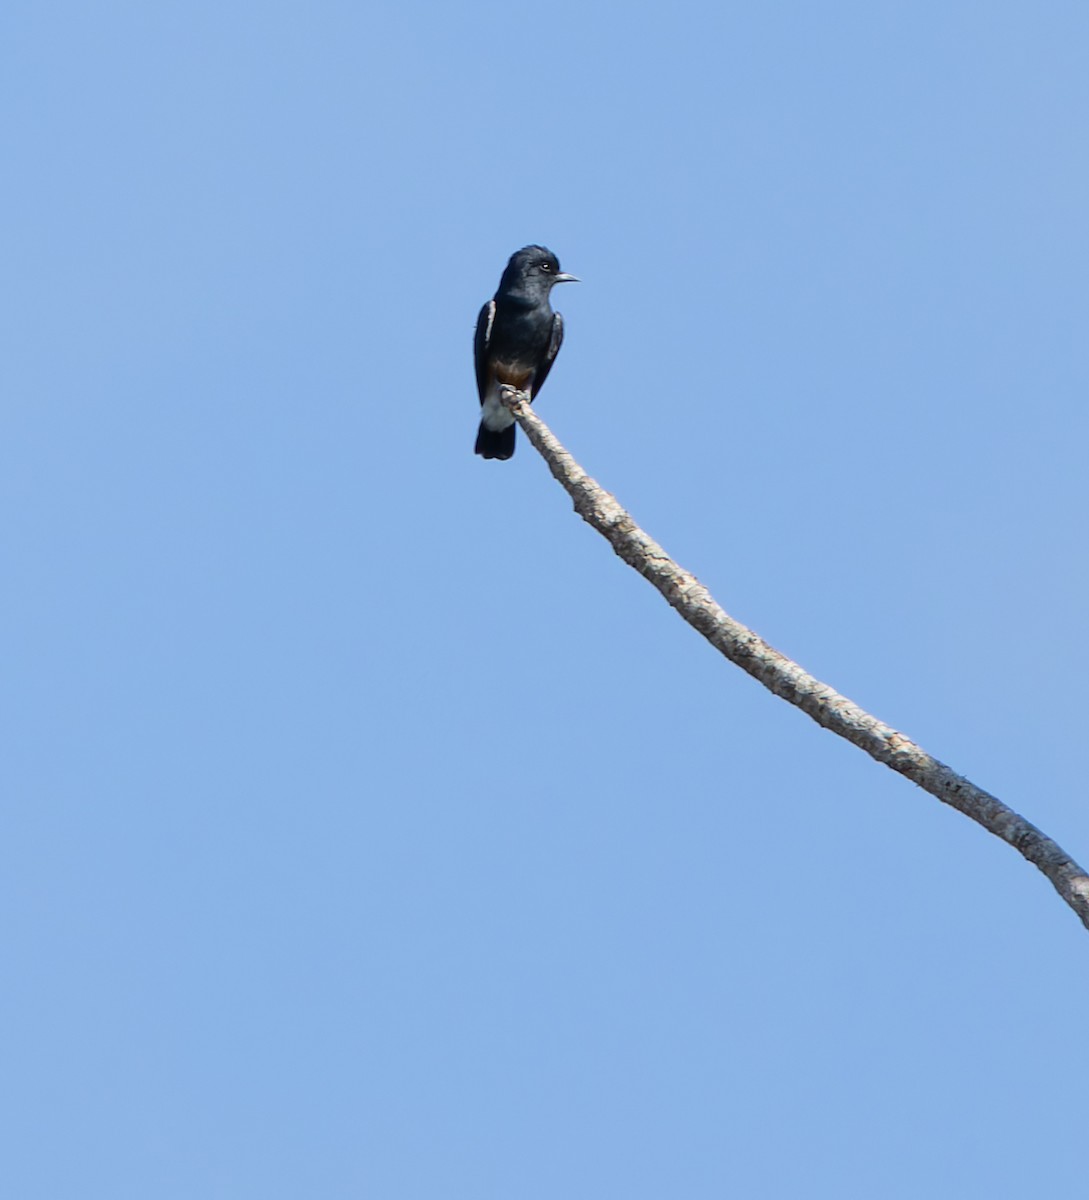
column 368, row 829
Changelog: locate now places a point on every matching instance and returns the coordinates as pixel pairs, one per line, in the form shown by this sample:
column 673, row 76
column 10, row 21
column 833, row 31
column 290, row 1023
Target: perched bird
column 517, row 338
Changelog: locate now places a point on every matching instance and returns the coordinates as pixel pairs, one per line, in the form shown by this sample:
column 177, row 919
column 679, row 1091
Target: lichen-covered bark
column 786, row 679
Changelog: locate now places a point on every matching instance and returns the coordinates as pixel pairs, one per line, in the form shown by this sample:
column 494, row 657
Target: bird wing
column 554, row 345
column 480, row 347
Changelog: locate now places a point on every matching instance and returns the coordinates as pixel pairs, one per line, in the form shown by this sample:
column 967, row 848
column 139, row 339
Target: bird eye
column 546, row 266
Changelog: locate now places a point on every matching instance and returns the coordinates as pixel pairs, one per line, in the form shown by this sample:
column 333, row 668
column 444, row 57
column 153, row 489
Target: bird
column 517, row 339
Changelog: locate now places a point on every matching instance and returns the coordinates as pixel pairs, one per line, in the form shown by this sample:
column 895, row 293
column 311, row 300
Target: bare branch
column 788, row 680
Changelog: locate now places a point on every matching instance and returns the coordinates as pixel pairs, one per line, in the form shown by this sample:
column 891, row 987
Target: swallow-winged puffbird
column 517, row 338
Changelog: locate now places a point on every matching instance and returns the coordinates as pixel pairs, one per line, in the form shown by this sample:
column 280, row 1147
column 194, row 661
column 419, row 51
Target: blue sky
column 368, row 828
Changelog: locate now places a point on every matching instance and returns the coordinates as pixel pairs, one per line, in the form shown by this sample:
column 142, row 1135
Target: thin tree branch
column 788, row 680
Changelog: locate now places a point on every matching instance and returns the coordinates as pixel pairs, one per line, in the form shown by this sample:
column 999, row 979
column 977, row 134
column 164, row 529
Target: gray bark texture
column 789, row 681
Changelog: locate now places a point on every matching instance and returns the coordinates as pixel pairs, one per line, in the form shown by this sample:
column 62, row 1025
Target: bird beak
column 564, row 278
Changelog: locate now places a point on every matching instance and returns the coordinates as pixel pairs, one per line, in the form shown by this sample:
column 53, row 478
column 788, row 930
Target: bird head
column 533, row 271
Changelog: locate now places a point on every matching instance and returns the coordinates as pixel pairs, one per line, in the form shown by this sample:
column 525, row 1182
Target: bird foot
column 510, row 396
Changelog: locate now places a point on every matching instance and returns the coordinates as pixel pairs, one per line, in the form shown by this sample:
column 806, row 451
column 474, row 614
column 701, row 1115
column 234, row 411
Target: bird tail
column 491, row 443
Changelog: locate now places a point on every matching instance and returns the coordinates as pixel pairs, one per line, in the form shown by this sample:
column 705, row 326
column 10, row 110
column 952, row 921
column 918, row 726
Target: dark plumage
column 517, row 339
